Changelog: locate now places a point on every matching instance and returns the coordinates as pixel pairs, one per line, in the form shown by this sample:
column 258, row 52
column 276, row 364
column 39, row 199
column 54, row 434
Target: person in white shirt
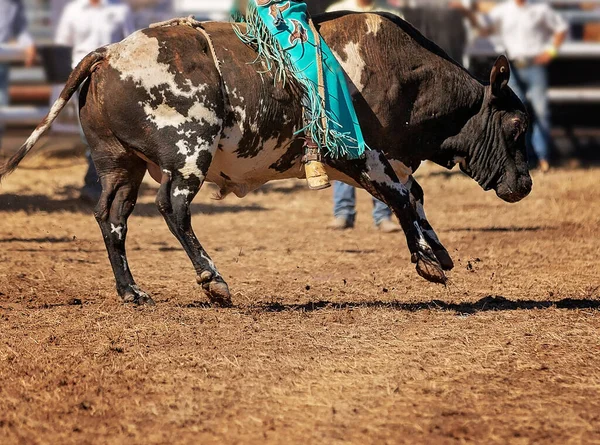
column 89, row 24
column 531, row 34
column 344, row 195
column 86, row 25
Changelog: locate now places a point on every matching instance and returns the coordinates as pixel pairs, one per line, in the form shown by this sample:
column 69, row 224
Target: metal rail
column 574, row 95
column 22, row 115
column 10, row 54
column 484, row 47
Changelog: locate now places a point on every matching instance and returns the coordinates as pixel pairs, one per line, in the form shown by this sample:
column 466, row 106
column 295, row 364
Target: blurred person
column 146, row 12
column 13, row 28
column 361, row 6
column 439, row 23
column 532, row 34
column 344, row 195
column 86, row 25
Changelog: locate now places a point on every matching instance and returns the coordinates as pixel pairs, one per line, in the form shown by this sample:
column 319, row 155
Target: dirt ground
column 333, row 338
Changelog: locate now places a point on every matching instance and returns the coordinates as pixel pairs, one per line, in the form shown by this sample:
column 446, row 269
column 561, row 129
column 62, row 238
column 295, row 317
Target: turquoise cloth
column 281, row 33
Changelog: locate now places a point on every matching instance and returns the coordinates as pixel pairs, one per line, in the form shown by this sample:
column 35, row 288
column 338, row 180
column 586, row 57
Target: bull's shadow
column 486, row 304
column 11, row 203
column 502, row 229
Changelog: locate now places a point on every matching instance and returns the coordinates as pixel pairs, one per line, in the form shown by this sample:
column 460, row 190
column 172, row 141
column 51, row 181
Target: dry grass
column 350, row 346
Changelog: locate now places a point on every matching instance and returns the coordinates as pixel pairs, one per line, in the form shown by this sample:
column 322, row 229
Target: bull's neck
column 457, row 97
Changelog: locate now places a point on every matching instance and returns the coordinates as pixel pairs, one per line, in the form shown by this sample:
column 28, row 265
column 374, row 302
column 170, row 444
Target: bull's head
column 491, row 147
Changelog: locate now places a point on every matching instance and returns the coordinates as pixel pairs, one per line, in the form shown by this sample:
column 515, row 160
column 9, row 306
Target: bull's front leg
column 417, row 198
column 375, row 174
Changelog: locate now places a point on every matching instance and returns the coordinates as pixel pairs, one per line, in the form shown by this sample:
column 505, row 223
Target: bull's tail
column 77, row 77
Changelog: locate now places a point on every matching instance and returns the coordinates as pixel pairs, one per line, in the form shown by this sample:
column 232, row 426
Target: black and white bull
column 157, row 101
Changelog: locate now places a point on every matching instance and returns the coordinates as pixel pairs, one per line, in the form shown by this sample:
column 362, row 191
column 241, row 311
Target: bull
column 190, row 109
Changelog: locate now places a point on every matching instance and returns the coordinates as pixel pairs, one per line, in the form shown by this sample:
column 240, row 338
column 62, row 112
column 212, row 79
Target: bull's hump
column 348, row 43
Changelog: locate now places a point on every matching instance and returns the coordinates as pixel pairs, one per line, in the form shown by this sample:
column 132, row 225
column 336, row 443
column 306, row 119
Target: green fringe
column 331, row 142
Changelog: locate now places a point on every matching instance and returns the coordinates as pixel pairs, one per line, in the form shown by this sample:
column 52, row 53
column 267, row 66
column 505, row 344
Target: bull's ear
column 500, row 75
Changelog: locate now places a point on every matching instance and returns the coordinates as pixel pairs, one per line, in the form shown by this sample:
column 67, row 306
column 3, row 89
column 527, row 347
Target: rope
column 321, row 75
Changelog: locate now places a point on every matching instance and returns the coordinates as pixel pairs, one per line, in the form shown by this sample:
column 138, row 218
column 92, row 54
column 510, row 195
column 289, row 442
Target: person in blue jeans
column 344, row 210
column 531, row 34
column 530, row 83
column 13, row 28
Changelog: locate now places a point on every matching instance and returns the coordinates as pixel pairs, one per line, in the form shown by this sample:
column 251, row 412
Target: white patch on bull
column 235, row 132
column 353, row 64
column 420, row 238
column 118, row 230
column 191, row 167
column 187, row 133
column 245, row 174
column 181, row 192
column 211, row 264
column 182, row 145
column 200, row 113
column 233, row 93
column 240, row 114
column 136, row 58
column 124, row 262
column 166, row 116
column 374, row 22
column 401, row 170
column 376, row 173
column 191, row 154
column 375, row 168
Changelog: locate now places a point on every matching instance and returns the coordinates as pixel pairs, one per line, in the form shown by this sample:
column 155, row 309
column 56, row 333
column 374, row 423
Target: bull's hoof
column 216, row 289
column 218, row 292
column 134, row 295
column 429, row 268
column 444, row 258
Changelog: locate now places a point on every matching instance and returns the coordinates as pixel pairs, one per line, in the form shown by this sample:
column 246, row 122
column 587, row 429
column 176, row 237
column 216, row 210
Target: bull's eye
column 516, row 128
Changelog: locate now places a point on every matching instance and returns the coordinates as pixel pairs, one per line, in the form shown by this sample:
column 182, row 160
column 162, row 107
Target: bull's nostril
column 526, row 183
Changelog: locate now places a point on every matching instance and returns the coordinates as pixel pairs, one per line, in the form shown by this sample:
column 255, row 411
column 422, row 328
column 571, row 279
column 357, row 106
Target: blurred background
column 574, row 76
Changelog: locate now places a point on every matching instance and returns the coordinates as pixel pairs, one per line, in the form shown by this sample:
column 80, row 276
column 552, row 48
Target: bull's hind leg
column 177, row 190
column 417, row 198
column 375, row 174
column 120, row 177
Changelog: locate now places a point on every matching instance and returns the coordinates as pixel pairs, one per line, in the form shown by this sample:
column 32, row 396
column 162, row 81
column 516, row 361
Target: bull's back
column 162, row 83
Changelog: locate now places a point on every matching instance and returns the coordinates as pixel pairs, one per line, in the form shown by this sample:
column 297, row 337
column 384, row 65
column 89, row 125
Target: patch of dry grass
column 347, row 347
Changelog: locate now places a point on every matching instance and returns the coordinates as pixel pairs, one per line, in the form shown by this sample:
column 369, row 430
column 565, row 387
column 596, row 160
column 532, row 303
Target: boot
column 316, row 175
